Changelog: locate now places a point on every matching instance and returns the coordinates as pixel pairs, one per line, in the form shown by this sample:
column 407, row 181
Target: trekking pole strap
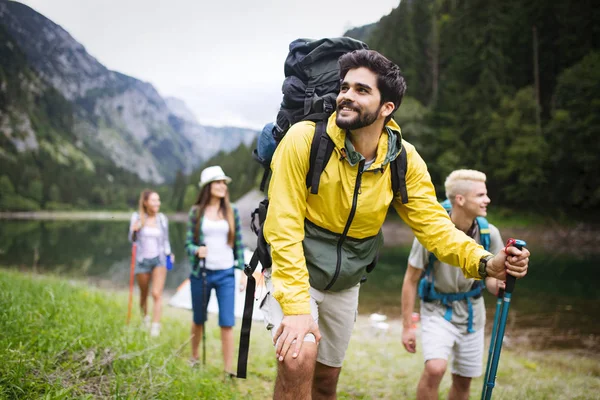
column 247, row 317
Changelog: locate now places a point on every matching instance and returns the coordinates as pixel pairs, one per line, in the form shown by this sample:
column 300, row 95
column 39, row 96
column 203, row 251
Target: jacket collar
column 390, row 143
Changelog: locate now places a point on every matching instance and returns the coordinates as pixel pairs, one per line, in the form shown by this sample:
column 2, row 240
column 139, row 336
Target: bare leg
column 295, row 376
column 227, row 346
column 159, row 275
column 143, row 282
column 460, row 388
column 196, row 338
column 430, row 379
column 325, row 382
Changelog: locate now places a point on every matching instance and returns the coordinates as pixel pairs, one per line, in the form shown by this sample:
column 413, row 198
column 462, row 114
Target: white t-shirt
column 450, row 279
column 220, row 254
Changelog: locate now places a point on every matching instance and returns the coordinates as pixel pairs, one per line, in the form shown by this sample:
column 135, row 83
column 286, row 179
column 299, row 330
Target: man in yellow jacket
column 322, row 243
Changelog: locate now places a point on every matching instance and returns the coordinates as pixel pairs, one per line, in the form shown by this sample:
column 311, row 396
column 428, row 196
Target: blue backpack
column 427, row 290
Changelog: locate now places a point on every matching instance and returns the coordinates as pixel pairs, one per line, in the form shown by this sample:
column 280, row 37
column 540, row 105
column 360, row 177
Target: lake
column 556, row 306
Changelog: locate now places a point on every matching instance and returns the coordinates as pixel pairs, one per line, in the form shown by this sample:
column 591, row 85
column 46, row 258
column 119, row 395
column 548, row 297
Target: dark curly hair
column 390, row 82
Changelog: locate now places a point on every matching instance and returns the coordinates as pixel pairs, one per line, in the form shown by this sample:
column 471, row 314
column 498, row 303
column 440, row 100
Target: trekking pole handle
column 511, row 281
column 201, row 260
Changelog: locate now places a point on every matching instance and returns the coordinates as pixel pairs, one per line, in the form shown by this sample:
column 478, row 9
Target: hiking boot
column 193, row 362
column 146, row 321
column 155, row 329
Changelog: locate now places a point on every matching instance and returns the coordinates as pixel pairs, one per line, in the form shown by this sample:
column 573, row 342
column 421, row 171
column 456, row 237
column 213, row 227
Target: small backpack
column 310, row 90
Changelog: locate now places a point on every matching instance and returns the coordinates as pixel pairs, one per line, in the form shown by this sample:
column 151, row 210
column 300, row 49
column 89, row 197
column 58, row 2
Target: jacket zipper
column 338, row 264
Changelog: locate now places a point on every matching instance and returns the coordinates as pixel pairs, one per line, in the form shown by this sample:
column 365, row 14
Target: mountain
column 179, row 109
column 116, row 116
column 43, row 163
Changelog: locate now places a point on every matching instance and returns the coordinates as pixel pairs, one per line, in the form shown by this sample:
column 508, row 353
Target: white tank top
column 220, row 254
column 149, row 238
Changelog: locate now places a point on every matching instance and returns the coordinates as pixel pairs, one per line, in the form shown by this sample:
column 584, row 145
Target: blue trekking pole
column 492, row 339
column 498, row 329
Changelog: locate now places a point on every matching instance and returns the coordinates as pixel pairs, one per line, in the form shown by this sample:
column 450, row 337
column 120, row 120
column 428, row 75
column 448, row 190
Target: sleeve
column 430, row 222
column 284, row 225
column 496, row 242
column 134, row 217
column 418, row 257
column 238, row 246
column 190, row 246
column 166, row 228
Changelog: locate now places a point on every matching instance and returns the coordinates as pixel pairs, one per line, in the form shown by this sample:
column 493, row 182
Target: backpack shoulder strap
column 484, row 232
column 447, row 205
column 432, row 258
column 399, row 165
column 321, row 149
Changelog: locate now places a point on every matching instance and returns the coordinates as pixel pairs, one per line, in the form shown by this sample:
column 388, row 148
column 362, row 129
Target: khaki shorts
column 334, row 312
column 441, row 339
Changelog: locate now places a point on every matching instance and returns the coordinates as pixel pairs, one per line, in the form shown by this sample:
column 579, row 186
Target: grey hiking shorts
column 334, row 312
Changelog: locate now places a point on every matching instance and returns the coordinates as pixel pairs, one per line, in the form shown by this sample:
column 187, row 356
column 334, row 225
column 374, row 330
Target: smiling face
column 152, row 204
column 475, row 201
column 218, row 189
column 359, row 101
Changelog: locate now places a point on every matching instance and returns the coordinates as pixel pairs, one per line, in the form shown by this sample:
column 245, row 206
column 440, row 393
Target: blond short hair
column 459, row 182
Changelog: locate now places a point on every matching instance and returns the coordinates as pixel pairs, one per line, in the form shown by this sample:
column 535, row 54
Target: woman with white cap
column 214, row 243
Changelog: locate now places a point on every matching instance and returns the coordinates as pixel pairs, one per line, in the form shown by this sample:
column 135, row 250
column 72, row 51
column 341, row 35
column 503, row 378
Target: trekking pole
column 202, row 265
column 131, row 278
column 498, row 337
column 499, row 297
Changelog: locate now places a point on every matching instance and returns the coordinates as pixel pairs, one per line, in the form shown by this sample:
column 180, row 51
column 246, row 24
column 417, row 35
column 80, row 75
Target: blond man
column 452, row 308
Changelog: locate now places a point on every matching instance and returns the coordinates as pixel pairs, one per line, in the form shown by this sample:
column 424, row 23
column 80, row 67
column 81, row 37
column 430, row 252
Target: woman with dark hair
column 214, row 245
column 149, row 228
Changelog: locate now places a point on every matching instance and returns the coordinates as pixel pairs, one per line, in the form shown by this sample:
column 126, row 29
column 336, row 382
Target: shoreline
column 579, row 239
column 78, row 215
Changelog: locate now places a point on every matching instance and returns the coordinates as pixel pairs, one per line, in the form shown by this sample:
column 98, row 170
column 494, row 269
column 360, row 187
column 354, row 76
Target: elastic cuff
column 295, row 308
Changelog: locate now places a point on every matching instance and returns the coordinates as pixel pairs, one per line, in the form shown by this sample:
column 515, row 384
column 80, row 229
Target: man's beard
column 360, row 121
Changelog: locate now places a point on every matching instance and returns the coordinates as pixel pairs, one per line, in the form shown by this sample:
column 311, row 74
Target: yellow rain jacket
column 327, row 240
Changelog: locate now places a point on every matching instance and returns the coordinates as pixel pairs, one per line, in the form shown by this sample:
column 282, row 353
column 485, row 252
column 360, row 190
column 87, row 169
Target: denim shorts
column 223, row 281
column 147, row 265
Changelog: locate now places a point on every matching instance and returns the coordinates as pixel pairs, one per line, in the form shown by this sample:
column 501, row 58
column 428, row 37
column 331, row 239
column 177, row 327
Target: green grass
column 63, row 339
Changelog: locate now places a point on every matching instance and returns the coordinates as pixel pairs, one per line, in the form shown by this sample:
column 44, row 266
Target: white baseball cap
column 211, row 174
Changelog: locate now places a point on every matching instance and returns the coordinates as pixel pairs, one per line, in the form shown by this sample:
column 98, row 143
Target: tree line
column 511, row 88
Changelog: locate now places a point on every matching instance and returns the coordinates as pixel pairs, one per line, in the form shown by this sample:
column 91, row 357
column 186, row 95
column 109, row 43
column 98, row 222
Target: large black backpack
column 310, row 89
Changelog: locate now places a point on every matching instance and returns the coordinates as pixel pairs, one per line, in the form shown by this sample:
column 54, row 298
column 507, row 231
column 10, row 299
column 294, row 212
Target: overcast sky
column 224, row 58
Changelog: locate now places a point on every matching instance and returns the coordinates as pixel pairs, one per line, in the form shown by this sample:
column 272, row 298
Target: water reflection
column 96, row 249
